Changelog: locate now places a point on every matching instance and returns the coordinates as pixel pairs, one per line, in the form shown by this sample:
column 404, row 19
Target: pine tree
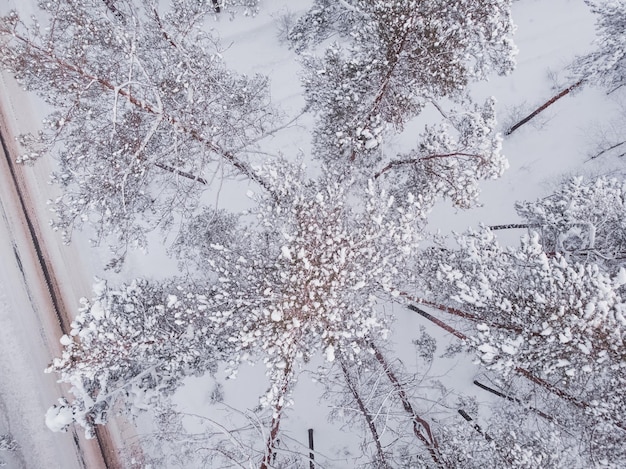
column 145, row 111
column 392, row 59
column 583, row 221
column 549, row 311
column 131, row 347
column 607, row 64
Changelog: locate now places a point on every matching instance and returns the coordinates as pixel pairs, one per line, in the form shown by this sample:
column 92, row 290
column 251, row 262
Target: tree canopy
column 148, row 118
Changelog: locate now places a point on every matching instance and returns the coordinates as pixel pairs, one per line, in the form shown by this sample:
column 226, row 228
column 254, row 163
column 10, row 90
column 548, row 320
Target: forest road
column 34, row 308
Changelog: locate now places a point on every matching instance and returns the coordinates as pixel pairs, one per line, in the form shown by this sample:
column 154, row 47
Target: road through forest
column 41, row 281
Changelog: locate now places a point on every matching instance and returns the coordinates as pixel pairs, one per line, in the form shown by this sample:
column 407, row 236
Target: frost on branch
column 555, row 320
column 309, row 277
column 585, row 221
column 514, row 440
column 392, row 59
column 145, row 111
column 209, row 227
column 129, row 349
column 542, row 313
column 452, row 158
column 606, row 65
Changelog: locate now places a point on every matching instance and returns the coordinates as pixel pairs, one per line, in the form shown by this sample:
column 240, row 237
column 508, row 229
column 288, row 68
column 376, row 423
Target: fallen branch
column 110, row 4
column 312, row 449
column 475, row 426
column 543, row 107
column 513, row 399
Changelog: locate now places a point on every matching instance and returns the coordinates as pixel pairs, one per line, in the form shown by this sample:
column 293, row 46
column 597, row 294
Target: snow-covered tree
column 305, row 278
column 556, row 321
column 390, row 61
column 451, row 158
column 513, row 437
column 248, row 7
column 145, row 111
column 585, row 221
column 131, row 347
column 606, row 65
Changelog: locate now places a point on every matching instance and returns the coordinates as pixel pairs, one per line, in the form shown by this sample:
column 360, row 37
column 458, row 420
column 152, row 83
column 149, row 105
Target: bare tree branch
column 366, row 415
column 429, row 440
column 412, row 161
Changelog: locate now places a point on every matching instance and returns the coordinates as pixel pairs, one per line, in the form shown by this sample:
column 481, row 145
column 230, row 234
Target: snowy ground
column 555, row 144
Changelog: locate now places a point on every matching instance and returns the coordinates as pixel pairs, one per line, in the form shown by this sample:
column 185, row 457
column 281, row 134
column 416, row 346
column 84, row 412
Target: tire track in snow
column 105, row 446
column 59, row 308
column 5, row 425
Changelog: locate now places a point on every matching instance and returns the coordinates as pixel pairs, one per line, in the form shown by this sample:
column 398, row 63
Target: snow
column 171, row 301
column 59, row 417
column 286, row 252
column 330, row 353
column 277, row 315
column 489, row 352
column 65, row 340
column 549, row 35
